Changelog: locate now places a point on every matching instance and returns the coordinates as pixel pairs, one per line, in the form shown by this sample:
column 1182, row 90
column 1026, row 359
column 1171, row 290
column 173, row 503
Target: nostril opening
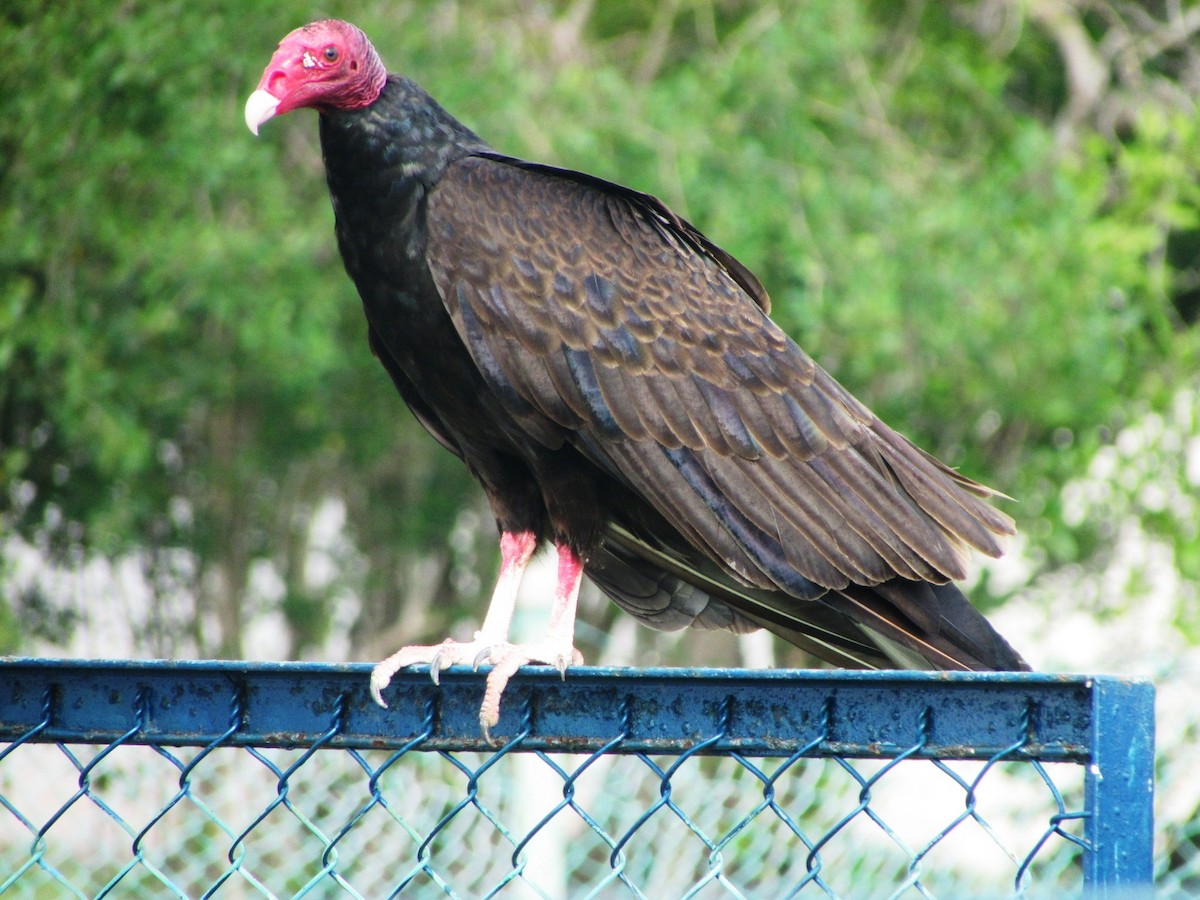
column 276, row 79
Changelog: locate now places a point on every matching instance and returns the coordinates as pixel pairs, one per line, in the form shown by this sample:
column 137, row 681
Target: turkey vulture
column 612, row 379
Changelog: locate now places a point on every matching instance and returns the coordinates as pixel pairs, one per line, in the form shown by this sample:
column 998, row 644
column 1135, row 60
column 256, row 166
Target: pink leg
column 556, row 648
column 516, row 549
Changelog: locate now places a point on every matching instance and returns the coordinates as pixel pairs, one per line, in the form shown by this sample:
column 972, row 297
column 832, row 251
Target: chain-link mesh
column 227, row 817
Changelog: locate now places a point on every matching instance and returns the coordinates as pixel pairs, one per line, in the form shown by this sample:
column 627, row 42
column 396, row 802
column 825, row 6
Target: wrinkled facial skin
column 323, row 65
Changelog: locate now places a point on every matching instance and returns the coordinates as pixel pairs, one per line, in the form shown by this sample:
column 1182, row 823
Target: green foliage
column 176, row 325
column 183, row 362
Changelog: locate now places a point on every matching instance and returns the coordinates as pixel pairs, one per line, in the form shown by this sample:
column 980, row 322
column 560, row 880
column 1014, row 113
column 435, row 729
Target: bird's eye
column 331, row 53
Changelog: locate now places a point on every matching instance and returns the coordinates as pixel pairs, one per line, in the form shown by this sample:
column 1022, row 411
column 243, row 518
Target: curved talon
column 377, row 686
column 435, row 669
column 481, row 657
column 381, row 677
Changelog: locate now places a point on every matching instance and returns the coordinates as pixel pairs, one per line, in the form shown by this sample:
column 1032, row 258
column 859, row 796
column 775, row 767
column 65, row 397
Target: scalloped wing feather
column 593, row 307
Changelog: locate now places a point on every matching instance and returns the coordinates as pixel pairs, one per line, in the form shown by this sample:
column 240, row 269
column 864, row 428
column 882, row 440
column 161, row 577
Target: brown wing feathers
column 638, row 337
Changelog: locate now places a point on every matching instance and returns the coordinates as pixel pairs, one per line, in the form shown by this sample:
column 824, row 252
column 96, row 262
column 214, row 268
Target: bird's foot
column 507, row 658
column 504, row 657
column 438, row 657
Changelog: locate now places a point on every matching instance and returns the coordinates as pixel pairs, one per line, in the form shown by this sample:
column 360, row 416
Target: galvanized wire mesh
column 229, row 816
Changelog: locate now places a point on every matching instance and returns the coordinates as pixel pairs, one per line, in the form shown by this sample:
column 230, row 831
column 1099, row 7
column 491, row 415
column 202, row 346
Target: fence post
column 1120, row 791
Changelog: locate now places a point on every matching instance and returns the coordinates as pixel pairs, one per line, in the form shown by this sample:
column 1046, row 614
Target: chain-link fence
column 221, row 779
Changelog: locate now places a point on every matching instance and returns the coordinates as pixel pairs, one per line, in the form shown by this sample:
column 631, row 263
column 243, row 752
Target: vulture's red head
column 323, row 65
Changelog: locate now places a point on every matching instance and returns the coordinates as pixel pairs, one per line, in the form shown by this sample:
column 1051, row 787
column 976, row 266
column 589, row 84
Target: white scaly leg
column 556, row 648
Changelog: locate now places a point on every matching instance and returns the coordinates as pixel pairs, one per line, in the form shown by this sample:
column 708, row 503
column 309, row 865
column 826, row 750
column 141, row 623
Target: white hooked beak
column 259, row 107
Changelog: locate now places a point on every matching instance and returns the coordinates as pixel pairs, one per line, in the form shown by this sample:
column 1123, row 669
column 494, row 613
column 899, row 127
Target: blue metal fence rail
column 770, row 724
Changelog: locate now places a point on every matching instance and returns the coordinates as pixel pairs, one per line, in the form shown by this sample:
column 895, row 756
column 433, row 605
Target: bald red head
column 324, row 65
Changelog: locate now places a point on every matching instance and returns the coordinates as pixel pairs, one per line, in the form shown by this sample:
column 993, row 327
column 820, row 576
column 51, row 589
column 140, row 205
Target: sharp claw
column 481, row 657
column 381, row 677
column 561, row 664
column 435, row 671
column 489, row 716
column 377, row 693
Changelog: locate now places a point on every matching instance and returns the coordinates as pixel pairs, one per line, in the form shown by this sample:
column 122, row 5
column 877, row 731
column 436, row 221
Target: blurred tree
column 981, row 216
